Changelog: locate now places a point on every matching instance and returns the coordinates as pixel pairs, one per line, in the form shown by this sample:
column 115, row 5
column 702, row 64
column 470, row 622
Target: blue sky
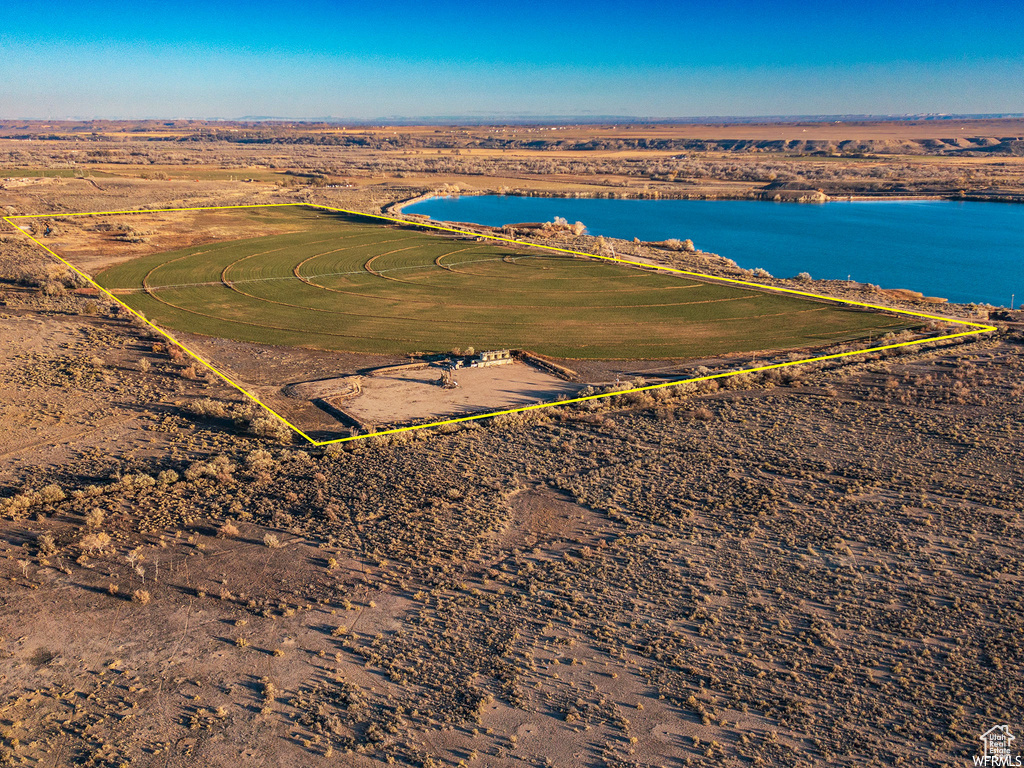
column 230, row 59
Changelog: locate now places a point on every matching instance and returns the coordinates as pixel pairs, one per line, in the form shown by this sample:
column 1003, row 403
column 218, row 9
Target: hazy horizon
column 528, row 119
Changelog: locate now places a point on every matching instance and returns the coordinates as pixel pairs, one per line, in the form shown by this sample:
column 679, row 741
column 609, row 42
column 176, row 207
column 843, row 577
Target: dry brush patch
column 768, row 581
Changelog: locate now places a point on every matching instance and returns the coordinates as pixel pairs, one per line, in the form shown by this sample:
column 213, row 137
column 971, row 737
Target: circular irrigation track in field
column 365, row 287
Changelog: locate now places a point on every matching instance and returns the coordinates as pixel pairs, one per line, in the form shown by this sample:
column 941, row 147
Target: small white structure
column 491, row 357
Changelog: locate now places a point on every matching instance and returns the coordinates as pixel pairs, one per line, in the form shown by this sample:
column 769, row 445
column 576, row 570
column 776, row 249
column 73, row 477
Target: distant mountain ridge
column 512, row 119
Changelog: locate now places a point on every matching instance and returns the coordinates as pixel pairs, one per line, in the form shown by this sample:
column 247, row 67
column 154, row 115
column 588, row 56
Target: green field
column 53, row 173
column 346, row 283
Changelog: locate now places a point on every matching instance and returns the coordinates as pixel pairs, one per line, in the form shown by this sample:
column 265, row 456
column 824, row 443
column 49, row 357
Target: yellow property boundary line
column 977, row 328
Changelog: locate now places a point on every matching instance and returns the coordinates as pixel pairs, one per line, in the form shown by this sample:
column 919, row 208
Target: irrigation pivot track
column 345, row 282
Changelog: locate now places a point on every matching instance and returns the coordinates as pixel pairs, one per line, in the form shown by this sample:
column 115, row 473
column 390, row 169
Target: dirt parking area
column 415, row 395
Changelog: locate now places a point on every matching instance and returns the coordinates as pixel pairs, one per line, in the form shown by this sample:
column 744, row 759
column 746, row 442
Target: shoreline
column 397, row 209
column 805, row 197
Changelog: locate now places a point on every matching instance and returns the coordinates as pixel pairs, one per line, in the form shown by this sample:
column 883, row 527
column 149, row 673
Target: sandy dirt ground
column 815, row 568
column 73, row 389
column 652, row 586
column 416, row 396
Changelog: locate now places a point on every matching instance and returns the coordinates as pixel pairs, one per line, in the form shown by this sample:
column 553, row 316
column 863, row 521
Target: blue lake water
column 962, row 251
